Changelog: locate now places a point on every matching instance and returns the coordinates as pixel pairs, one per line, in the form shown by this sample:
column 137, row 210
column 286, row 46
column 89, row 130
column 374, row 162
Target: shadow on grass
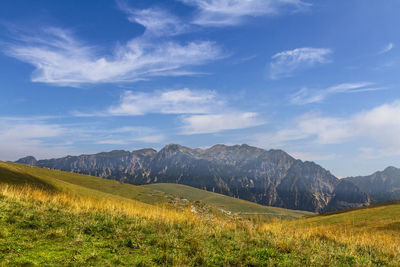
column 16, row 178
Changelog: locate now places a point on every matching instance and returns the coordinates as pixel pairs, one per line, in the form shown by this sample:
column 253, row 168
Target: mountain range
column 268, row 177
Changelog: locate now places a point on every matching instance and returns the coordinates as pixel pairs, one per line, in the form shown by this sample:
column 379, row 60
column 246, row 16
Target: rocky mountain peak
column 392, row 170
column 29, row 160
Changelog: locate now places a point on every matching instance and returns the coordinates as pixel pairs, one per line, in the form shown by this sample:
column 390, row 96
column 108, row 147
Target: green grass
column 38, row 229
column 81, row 184
column 33, row 233
column 376, row 214
column 56, row 222
column 222, row 202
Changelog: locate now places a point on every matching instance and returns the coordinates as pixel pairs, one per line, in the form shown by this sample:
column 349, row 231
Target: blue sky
column 318, row 79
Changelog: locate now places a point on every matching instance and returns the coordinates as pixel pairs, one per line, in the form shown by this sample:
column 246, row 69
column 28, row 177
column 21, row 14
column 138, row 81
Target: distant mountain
column 346, row 196
column 268, row 177
column 382, row 186
column 29, row 160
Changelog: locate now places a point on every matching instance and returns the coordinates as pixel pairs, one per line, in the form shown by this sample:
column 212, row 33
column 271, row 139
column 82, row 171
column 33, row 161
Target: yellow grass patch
column 113, row 206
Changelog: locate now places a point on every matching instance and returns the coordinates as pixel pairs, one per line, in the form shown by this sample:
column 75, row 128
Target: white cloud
column 157, row 138
column 311, row 156
column 112, row 142
column 157, row 21
column 381, row 124
column 123, row 136
column 20, row 137
column 208, row 112
column 233, row 12
column 38, row 136
column 212, row 123
column 378, row 127
column 307, row 96
column 285, row 63
column 30, row 131
column 184, row 101
column 61, row 59
column 387, row 48
column 322, row 130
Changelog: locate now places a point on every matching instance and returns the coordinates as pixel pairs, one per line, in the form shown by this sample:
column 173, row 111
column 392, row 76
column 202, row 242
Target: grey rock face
column 382, row 186
column 346, row 196
column 29, row 160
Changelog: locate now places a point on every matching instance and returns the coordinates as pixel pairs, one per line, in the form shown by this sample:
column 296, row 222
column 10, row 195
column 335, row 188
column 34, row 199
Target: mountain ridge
column 382, row 186
column 269, row 177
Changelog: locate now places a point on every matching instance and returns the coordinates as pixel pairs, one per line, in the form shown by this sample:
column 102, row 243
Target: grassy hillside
column 226, row 203
column 47, row 221
column 151, row 194
column 374, row 230
column 45, row 227
column 81, row 184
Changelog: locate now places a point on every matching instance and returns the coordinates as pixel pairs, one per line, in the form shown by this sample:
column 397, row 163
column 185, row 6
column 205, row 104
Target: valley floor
column 41, row 227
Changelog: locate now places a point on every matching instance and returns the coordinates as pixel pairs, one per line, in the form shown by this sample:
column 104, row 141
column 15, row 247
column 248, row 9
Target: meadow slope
column 41, row 225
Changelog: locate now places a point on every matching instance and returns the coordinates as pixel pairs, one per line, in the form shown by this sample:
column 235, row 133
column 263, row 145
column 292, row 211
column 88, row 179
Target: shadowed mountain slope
column 382, row 186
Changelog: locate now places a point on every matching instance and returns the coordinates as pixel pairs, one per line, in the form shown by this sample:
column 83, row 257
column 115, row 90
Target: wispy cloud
column 43, row 138
column 60, row 58
column 387, row 48
column 311, row 156
column 126, row 135
column 212, row 123
column 307, row 96
column 284, row 64
column 233, row 12
column 27, row 136
column 322, row 130
column 379, row 127
column 157, row 21
column 184, row 101
column 199, row 111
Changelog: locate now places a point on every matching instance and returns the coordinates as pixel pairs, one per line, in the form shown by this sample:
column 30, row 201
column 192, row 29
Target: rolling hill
column 151, row 194
column 225, row 203
column 376, row 227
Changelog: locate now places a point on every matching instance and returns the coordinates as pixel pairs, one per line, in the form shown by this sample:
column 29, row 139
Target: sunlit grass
column 148, row 234
column 49, row 221
column 376, row 228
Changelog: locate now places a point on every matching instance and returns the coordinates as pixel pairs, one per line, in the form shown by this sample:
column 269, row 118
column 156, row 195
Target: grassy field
column 42, row 225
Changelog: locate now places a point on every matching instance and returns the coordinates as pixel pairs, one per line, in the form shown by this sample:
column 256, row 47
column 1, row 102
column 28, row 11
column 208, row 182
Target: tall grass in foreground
column 114, row 207
column 47, row 227
column 376, row 236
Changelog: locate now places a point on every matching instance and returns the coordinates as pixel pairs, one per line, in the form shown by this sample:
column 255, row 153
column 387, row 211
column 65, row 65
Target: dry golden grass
column 116, row 207
column 381, row 236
